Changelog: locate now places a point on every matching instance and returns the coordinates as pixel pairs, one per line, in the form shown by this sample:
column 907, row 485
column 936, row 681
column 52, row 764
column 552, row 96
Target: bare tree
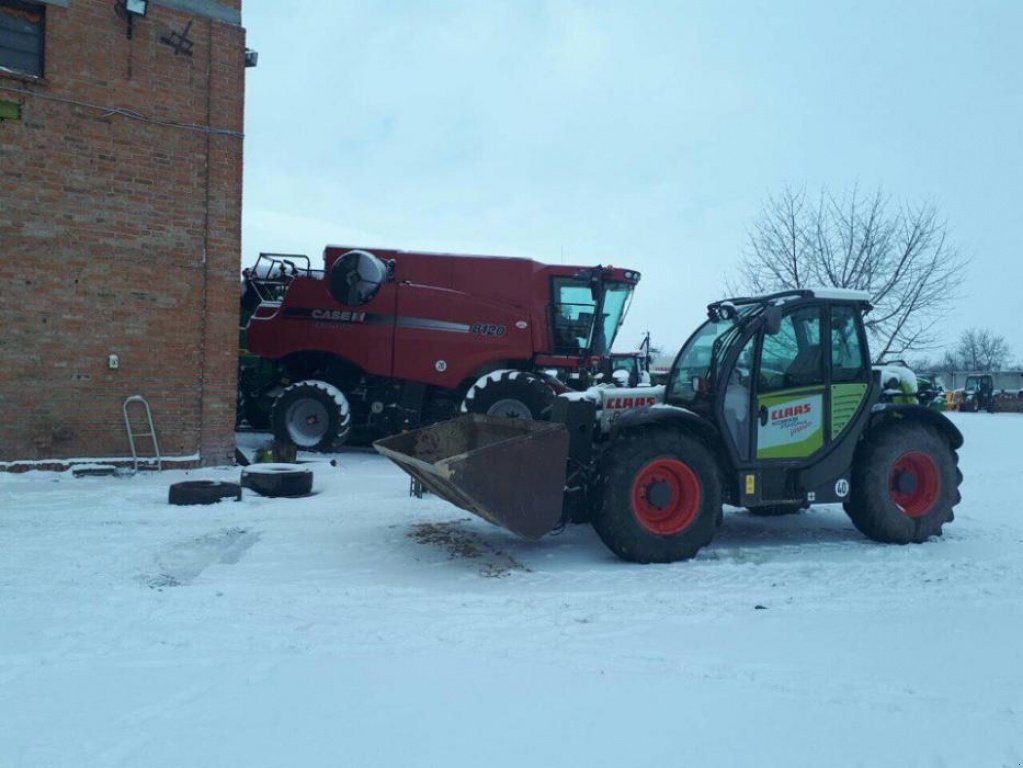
column 899, row 255
column 980, row 350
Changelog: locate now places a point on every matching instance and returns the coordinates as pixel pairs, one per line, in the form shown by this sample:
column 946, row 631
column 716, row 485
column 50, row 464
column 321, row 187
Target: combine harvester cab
column 510, row 472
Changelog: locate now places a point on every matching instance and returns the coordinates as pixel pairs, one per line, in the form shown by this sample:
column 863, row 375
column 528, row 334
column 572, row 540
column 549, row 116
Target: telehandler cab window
column 847, row 361
column 792, row 357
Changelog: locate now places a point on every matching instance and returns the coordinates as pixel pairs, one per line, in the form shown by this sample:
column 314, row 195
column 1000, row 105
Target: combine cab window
column 573, row 316
column 574, row 310
column 792, row 357
column 21, row 37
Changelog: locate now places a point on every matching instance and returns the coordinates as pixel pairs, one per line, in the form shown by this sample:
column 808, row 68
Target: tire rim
column 510, row 408
column 914, row 483
column 307, row 421
column 666, row 496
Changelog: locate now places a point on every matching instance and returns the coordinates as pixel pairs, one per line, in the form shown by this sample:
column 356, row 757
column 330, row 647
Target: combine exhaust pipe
column 510, row 472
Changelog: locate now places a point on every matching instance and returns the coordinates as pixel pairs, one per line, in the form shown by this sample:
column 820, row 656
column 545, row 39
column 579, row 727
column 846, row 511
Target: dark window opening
column 21, row 37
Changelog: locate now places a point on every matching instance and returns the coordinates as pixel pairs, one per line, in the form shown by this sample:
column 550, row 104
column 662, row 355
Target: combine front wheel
column 661, row 497
column 314, row 415
column 905, row 483
column 511, row 394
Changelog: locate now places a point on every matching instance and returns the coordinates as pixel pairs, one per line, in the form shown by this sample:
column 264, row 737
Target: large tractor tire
column 905, row 483
column 660, row 499
column 511, row 394
column 313, row 415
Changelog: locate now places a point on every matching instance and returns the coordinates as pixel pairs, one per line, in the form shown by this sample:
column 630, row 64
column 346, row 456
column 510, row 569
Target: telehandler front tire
column 661, row 496
column 905, row 484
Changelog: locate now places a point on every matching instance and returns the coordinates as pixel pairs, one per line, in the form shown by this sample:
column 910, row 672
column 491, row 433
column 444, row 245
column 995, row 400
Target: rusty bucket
column 510, row 472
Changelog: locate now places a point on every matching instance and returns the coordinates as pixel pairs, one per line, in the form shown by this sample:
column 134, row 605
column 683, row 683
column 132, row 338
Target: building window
column 21, row 37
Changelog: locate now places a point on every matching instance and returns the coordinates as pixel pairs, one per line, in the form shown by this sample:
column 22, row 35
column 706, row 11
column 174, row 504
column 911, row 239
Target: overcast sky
column 644, row 135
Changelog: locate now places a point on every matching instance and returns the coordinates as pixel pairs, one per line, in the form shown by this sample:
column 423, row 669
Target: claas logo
column 793, row 410
column 616, row 403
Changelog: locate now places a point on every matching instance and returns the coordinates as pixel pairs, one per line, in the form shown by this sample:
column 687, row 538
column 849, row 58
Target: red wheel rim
column 915, row 483
column 666, row 496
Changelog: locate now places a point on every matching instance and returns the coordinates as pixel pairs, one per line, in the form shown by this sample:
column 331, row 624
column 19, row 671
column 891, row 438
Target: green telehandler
column 772, row 404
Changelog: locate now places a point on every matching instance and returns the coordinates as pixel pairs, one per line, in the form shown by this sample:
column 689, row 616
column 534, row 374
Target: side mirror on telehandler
column 772, row 320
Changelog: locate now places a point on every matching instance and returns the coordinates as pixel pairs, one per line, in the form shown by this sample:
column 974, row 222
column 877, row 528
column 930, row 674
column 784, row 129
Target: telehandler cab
column 772, row 404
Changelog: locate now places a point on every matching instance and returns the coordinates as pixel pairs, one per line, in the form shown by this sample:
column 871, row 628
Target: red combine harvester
column 383, row 341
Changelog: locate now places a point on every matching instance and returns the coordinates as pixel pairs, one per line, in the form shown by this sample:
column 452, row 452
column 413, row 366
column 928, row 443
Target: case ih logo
column 337, row 316
column 787, row 413
column 621, row 403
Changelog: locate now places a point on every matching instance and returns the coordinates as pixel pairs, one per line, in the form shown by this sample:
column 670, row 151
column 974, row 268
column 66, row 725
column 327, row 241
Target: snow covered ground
column 362, row 627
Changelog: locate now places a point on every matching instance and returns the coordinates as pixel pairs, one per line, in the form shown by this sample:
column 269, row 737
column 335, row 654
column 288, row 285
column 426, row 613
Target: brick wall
column 121, row 236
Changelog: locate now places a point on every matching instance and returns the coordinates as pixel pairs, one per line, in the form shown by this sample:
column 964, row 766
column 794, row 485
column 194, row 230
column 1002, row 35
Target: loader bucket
column 510, row 472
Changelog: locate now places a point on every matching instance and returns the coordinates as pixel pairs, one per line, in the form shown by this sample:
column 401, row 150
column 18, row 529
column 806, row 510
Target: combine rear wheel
column 511, row 394
column 661, row 497
column 905, row 483
column 314, row 415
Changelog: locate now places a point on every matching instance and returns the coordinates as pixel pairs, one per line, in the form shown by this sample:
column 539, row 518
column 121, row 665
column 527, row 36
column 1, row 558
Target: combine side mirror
column 772, row 320
column 356, row 277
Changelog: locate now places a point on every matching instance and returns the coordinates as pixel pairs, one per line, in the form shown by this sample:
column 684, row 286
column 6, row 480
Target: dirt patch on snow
column 460, row 543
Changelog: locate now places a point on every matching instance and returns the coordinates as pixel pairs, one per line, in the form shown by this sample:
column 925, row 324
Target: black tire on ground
column 314, row 415
column 202, row 492
column 775, row 510
column 661, row 496
column 512, row 394
column 905, row 484
column 278, row 480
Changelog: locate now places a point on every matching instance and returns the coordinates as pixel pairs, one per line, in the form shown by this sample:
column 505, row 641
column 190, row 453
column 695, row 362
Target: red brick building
column 120, row 225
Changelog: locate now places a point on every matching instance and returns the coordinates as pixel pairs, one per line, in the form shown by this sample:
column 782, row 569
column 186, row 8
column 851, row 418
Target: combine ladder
column 150, row 432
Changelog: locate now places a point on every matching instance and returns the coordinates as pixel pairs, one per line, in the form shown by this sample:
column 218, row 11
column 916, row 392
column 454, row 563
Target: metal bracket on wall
column 180, row 41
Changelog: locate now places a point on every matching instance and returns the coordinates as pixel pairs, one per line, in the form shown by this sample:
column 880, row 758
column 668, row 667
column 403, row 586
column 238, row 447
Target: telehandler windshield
column 697, row 363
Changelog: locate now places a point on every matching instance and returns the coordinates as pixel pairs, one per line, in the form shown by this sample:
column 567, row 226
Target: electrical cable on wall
column 108, row 111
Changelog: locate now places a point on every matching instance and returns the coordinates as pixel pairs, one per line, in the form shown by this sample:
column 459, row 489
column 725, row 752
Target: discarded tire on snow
column 510, row 394
column 278, row 480
column 202, row 492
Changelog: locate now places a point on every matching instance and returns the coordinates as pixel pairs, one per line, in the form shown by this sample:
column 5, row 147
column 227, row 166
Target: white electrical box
column 113, row 361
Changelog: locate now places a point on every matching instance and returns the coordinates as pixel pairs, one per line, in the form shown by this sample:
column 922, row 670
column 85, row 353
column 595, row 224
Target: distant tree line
column 977, row 350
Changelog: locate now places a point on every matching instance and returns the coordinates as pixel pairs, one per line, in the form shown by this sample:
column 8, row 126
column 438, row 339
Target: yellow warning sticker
column 751, row 484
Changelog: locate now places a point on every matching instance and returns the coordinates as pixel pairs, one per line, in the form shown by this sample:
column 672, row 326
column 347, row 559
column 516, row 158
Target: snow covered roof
column 848, row 294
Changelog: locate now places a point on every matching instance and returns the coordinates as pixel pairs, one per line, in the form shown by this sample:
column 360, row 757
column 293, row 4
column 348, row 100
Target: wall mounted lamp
column 129, row 10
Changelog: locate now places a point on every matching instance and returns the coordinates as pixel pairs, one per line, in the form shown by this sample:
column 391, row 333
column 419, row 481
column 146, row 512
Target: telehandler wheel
column 775, row 510
column 314, row 415
column 905, row 483
column 661, row 496
column 512, row 394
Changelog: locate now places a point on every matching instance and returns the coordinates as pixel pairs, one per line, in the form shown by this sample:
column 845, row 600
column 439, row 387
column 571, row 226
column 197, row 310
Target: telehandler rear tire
column 905, row 484
column 661, row 496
